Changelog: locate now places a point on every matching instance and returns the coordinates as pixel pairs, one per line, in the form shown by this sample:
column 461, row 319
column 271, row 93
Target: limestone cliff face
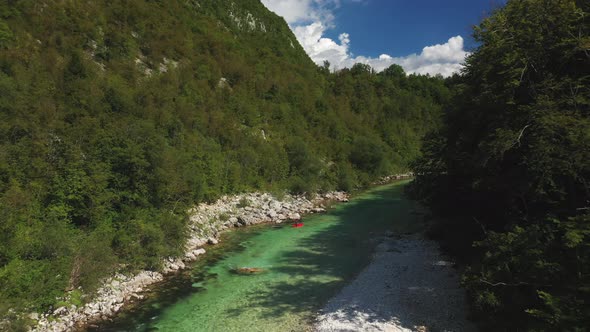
column 251, row 19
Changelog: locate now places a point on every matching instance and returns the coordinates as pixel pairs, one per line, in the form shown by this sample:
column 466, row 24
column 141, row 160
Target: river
column 302, row 269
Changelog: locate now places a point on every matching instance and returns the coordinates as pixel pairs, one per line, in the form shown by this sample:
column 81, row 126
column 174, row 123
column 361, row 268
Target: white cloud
column 292, row 11
column 309, row 19
column 320, row 48
column 444, row 59
column 298, row 12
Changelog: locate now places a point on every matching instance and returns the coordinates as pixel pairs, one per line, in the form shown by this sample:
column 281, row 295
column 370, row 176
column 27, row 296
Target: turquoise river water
column 302, row 269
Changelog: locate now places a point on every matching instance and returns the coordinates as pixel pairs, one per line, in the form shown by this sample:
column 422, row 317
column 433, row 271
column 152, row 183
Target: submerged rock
column 248, row 270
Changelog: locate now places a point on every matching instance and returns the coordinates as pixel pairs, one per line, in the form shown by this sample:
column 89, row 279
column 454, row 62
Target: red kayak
column 297, row 224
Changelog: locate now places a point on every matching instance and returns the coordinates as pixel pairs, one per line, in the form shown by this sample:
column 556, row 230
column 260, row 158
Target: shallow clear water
column 303, row 268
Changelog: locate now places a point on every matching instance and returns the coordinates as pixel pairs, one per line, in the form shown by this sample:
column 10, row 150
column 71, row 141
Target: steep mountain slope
column 115, row 116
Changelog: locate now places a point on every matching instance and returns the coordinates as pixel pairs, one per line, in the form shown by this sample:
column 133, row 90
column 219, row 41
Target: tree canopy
column 515, row 152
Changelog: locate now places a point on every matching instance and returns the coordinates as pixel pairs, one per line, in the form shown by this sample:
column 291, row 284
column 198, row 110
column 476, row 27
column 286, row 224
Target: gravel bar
column 408, row 286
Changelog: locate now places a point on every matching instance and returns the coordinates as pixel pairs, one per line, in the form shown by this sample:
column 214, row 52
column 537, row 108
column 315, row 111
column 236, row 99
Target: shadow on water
column 180, row 287
column 307, row 274
column 339, row 252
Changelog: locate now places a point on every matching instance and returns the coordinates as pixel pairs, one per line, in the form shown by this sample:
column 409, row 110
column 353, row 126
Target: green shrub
column 244, row 202
column 5, row 34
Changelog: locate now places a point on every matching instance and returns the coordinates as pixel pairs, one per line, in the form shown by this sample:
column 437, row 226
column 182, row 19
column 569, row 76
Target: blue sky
column 423, row 36
column 402, row 27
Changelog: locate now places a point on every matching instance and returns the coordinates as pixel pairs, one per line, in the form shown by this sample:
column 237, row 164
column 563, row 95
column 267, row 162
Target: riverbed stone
column 275, row 205
column 60, row 311
column 190, row 256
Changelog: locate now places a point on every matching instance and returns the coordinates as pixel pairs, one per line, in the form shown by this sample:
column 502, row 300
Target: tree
column 516, row 154
column 5, row 34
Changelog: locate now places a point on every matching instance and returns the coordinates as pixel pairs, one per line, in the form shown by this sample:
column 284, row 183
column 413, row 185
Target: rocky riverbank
column 390, row 178
column 407, row 287
column 207, row 221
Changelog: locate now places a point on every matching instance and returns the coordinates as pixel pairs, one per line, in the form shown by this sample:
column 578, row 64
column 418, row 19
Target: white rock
column 60, row 310
column 275, row 205
column 199, row 251
column 190, row 256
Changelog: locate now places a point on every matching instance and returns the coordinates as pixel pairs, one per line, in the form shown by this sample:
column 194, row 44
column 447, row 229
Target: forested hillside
column 508, row 174
column 117, row 116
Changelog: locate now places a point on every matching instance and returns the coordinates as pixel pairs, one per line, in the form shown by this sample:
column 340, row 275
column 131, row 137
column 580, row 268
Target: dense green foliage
column 515, row 152
column 116, row 116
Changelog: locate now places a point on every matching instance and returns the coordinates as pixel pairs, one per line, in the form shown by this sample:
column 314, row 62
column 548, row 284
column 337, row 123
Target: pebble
column 400, row 292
